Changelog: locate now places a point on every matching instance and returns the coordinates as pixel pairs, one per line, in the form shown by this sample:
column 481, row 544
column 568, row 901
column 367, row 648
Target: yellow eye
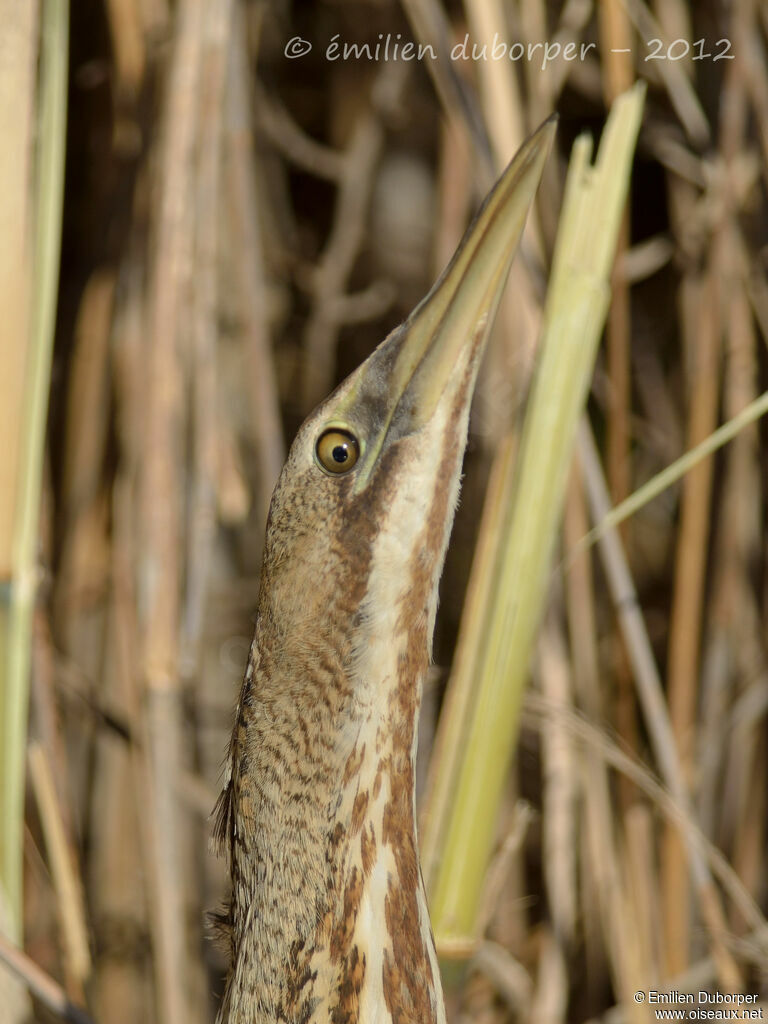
column 337, row 450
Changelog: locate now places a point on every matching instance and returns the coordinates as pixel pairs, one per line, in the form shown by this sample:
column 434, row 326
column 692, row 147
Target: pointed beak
column 458, row 312
column 400, row 384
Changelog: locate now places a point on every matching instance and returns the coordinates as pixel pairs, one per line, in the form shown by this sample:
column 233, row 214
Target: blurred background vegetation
column 239, row 227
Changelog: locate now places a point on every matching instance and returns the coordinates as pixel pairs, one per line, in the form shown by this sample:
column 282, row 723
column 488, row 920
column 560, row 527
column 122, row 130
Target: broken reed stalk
column 38, row 191
column 575, row 311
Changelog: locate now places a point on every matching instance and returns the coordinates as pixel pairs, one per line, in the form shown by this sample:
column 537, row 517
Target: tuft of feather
column 223, row 831
column 220, row 928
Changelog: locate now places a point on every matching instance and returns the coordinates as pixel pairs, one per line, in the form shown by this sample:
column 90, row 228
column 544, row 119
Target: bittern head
column 379, row 460
column 328, row 915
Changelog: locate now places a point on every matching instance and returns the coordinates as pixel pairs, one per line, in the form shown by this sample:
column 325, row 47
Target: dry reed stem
column 454, row 176
column 703, row 345
column 128, row 45
column 84, row 557
column 592, row 737
column 604, row 853
column 277, row 125
column 616, row 43
column 120, row 859
column 574, row 18
column 160, row 511
column 35, row 245
column 674, row 19
column 672, row 473
column 330, row 277
column 244, row 228
column 498, row 915
column 518, row 319
column 741, row 524
column 507, row 975
column 642, row 885
column 503, row 109
column 505, row 372
column 582, row 637
column 652, row 701
column 677, row 84
column 431, row 27
column 559, row 789
column 17, row 90
column 17, row 121
column 41, row 985
column 736, row 606
column 612, row 897
column 754, row 64
column 619, row 330
column 47, row 719
column 539, row 82
column 64, row 872
column 127, row 990
column 80, row 595
column 204, row 371
column 716, row 664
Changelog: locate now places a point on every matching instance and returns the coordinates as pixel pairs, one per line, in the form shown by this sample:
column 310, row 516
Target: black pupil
column 340, row 453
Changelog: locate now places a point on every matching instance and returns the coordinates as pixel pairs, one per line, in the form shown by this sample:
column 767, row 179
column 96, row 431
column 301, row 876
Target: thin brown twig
column 432, row 28
column 64, row 872
column 41, row 984
column 679, row 87
column 295, row 145
column 335, row 265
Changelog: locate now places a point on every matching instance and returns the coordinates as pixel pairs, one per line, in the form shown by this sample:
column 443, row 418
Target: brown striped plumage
column 328, row 919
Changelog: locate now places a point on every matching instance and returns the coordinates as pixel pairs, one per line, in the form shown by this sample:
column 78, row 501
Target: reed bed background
column 240, row 224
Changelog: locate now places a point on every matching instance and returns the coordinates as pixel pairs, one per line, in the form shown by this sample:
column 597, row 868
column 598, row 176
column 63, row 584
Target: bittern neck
column 329, row 915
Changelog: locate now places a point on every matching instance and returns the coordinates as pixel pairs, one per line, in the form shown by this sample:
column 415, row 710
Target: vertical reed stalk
column 36, row 189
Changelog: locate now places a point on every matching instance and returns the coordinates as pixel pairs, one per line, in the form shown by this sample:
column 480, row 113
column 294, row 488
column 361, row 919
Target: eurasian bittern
column 328, row 918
